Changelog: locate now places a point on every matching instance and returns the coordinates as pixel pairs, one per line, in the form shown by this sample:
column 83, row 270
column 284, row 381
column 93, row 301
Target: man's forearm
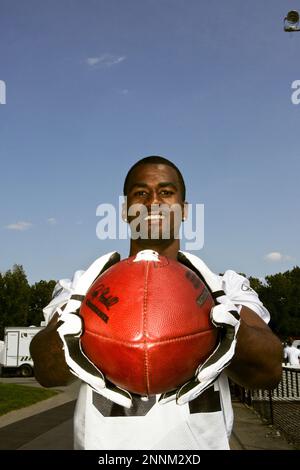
column 50, row 367
column 258, row 359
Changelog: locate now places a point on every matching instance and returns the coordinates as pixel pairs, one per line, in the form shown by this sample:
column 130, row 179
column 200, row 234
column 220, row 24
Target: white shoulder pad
column 65, row 288
column 238, row 289
column 61, row 294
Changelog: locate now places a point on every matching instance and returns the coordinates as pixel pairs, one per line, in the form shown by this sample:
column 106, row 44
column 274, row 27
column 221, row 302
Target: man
column 291, row 354
column 199, row 414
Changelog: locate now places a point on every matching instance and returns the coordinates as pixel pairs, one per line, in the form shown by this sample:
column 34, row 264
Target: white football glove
column 225, row 315
column 70, row 329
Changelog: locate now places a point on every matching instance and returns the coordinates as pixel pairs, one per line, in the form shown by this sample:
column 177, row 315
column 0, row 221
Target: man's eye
column 140, row 193
column 166, row 192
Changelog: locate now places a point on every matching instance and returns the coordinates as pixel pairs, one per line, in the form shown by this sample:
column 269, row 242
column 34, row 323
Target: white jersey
column 292, row 355
column 202, row 424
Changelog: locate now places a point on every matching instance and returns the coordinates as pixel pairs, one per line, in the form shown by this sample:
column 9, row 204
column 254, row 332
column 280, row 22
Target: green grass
column 14, row 397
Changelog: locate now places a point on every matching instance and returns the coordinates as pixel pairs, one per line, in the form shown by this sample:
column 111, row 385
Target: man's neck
column 167, row 248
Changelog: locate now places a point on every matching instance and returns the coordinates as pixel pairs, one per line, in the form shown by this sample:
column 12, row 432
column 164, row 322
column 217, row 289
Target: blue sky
column 94, row 85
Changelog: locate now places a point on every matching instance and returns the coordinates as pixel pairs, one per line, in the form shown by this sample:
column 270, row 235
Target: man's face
column 154, row 202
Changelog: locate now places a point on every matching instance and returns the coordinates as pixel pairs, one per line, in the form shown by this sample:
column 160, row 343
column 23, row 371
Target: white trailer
column 16, row 357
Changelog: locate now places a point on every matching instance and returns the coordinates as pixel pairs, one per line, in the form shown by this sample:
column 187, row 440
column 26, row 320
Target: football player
column 199, row 414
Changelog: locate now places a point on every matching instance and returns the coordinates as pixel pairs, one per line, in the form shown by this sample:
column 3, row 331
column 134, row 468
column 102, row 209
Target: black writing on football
column 193, row 278
column 102, row 294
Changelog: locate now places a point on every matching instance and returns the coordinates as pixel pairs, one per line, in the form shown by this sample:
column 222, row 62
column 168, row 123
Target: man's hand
column 70, row 329
column 224, row 315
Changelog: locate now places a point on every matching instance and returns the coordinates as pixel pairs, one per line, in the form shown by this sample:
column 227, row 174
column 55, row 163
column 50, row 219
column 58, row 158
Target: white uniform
column 292, row 355
column 202, row 424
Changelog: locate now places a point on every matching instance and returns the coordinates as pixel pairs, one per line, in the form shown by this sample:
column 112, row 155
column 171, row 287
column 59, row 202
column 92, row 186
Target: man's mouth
column 154, row 217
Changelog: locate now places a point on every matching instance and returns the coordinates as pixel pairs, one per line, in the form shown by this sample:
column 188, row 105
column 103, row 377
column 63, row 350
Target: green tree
column 40, row 296
column 281, row 296
column 14, row 298
column 1, row 306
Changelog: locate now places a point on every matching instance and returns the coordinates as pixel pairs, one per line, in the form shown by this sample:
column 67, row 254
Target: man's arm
column 257, row 362
column 50, row 367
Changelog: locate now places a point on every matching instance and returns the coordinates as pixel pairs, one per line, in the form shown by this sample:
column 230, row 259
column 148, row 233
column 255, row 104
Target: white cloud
column 52, row 221
column 19, row 226
column 275, row 256
column 92, row 61
column 104, row 60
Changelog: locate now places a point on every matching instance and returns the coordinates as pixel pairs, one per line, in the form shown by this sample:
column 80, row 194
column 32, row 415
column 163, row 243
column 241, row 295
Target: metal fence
column 279, row 407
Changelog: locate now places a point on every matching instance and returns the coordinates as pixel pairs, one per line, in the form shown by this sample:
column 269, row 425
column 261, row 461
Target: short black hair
column 155, row 159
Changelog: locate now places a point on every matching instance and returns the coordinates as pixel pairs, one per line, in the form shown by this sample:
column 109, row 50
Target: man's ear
column 124, row 211
column 185, row 211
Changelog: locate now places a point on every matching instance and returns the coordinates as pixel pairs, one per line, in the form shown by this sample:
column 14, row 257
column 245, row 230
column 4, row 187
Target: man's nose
column 154, row 199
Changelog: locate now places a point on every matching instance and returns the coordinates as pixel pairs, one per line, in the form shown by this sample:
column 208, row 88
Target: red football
column 147, row 324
